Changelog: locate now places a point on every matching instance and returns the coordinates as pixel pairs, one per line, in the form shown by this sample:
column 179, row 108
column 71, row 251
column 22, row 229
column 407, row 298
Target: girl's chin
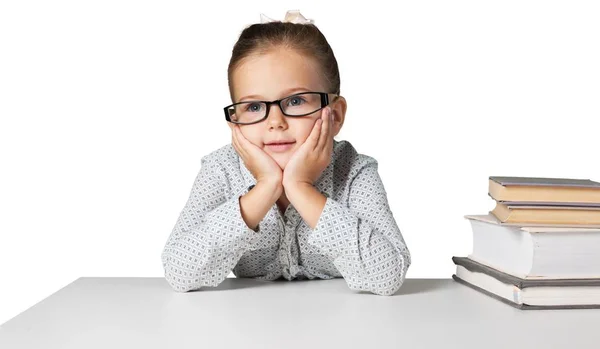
column 282, row 158
column 281, row 161
column 286, row 155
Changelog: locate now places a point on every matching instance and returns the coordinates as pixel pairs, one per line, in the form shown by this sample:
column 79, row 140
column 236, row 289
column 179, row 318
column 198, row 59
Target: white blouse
column 356, row 237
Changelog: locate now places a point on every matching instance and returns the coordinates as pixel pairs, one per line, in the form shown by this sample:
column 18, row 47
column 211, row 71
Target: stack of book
column 539, row 248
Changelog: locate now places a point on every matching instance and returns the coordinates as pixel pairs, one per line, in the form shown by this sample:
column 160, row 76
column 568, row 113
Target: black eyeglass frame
column 324, row 102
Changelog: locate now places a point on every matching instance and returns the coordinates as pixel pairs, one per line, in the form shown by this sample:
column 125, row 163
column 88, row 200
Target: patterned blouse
column 356, row 236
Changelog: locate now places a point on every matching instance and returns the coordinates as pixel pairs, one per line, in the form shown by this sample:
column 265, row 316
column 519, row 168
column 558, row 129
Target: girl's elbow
column 180, row 284
column 179, row 280
column 397, row 278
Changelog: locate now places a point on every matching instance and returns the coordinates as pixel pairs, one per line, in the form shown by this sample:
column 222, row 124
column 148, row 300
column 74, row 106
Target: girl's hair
column 306, row 39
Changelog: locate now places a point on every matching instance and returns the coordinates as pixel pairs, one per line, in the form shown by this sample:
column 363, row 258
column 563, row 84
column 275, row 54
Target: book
column 546, row 203
column 490, row 218
column 536, row 252
column 547, row 214
column 546, row 190
column 527, row 294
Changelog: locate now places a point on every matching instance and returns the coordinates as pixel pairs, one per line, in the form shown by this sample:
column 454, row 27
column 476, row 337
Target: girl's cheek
column 253, row 135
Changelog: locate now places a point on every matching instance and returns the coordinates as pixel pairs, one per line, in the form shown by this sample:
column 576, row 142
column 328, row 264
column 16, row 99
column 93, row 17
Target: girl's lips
column 282, row 147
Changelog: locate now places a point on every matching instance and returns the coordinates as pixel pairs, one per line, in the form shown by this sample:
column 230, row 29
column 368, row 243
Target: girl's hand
column 257, row 161
column 309, row 161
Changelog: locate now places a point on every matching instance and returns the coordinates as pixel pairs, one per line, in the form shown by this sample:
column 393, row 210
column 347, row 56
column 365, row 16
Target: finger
column 331, row 129
column 243, row 141
column 240, row 148
column 233, row 134
column 233, row 137
column 239, row 138
column 235, row 144
column 313, row 137
column 325, row 130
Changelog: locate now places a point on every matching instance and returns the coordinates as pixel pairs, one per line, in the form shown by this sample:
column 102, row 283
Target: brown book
column 568, row 215
column 544, row 190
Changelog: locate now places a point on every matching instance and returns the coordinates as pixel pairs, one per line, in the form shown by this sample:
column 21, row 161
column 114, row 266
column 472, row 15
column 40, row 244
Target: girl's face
column 274, row 75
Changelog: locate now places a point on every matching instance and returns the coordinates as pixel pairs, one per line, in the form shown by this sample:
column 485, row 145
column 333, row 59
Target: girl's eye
column 253, row 107
column 294, row 101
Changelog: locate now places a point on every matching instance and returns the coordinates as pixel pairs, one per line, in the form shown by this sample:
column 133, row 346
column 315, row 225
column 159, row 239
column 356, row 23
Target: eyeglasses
column 300, row 104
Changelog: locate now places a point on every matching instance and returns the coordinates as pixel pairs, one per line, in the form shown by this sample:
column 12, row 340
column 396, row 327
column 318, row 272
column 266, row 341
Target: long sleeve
column 362, row 238
column 210, row 235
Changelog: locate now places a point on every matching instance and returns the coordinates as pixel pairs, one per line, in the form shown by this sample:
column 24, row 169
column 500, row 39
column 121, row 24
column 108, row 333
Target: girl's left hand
column 309, row 161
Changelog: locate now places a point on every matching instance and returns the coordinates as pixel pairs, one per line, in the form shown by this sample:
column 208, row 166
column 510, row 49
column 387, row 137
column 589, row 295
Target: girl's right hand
column 257, row 161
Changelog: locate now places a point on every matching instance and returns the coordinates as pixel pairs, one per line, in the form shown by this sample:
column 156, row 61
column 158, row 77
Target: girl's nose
column 276, row 117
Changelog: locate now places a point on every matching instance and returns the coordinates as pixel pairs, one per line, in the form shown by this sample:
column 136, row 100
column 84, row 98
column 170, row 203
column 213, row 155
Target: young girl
column 285, row 199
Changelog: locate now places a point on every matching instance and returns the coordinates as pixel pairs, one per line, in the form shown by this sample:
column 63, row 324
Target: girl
column 285, row 199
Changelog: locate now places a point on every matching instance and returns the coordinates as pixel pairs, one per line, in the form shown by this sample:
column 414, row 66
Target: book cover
column 519, row 282
column 545, row 182
column 521, row 306
column 546, row 190
column 490, row 218
column 556, row 214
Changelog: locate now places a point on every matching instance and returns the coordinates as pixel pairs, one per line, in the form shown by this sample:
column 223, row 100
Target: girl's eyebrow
column 285, row 93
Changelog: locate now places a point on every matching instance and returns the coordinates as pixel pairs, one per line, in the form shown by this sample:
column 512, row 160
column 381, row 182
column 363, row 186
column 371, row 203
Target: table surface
column 111, row 312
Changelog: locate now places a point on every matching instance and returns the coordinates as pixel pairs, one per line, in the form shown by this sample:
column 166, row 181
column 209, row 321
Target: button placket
column 294, row 220
column 283, row 256
column 289, row 232
column 288, row 253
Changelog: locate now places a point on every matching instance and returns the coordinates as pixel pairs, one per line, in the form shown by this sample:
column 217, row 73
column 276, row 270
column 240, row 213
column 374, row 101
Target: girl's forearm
column 255, row 204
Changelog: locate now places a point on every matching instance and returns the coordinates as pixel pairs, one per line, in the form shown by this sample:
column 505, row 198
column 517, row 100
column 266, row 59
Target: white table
column 245, row 313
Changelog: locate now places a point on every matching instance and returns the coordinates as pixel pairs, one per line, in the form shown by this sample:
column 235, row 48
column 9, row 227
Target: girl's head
column 271, row 61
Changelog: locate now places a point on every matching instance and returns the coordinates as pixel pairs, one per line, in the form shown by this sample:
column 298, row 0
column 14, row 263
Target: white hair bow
column 292, row 16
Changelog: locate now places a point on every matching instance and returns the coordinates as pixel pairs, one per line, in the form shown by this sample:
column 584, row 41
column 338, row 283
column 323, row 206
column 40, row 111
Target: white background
column 107, row 108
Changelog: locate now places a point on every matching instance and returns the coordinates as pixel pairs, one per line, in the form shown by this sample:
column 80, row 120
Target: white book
column 530, row 252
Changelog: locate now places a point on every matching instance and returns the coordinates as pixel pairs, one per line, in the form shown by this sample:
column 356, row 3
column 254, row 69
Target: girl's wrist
column 271, row 185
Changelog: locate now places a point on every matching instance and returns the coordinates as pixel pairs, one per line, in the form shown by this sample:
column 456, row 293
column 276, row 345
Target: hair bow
column 292, row 16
